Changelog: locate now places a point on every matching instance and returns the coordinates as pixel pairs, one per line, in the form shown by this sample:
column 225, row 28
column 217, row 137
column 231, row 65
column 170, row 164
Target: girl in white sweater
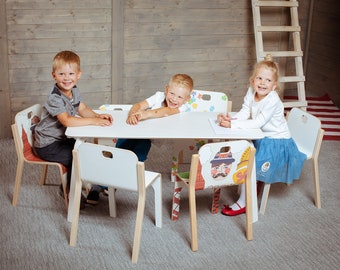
column 277, row 156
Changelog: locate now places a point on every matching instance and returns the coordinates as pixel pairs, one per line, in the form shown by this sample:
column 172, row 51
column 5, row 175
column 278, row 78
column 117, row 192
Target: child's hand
column 223, row 120
column 104, row 121
column 107, row 117
column 134, row 118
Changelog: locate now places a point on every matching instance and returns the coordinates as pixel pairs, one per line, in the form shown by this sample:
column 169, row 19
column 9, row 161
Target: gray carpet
column 293, row 234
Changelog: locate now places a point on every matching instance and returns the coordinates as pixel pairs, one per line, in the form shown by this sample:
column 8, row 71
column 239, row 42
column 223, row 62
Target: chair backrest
column 107, row 166
column 26, row 120
column 223, row 163
column 208, row 101
column 305, row 129
column 23, row 130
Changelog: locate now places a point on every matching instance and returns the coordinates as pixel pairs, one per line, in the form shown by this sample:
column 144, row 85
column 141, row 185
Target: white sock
column 241, row 202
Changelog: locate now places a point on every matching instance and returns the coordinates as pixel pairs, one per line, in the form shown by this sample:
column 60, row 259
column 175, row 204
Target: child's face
column 264, row 82
column 176, row 96
column 66, row 76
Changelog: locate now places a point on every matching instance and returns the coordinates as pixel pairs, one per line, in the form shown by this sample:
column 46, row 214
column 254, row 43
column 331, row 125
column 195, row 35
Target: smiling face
column 176, row 95
column 263, row 82
column 66, row 76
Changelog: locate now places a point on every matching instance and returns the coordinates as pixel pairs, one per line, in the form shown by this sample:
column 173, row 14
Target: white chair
column 307, row 133
column 117, row 169
column 22, row 131
column 216, row 165
column 200, row 101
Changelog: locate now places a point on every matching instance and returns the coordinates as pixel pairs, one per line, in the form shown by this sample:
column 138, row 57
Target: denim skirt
column 278, row 160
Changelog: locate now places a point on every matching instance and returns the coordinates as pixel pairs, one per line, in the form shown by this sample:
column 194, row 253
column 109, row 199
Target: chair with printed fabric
column 300, row 124
column 216, row 165
column 117, row 169
column 200, row 101
column 23, row 132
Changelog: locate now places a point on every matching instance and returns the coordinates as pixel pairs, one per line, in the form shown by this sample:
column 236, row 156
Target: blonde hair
column 64, row 58
column 182, row 80
column 267, row 63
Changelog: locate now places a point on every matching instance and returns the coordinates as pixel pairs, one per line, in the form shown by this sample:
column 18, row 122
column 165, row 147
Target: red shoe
column 227, row 211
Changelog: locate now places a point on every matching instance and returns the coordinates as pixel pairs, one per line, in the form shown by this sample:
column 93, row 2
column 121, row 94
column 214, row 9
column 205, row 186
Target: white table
column 187, row 125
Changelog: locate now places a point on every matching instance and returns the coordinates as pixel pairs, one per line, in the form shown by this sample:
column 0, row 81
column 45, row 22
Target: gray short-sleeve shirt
column 49, row 129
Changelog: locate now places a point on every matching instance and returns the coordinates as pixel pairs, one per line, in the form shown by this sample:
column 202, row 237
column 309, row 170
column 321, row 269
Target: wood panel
column 129, row 49
column 5, row 119
column 37, row 30
column 212, row 41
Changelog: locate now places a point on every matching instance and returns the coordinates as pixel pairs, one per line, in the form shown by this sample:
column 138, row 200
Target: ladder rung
column 276, row 3
column 292, row 104
column 286, row 79
column 283, row 54
column 279, row 28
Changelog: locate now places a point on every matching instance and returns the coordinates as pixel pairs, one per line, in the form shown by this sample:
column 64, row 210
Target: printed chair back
column 216, row 165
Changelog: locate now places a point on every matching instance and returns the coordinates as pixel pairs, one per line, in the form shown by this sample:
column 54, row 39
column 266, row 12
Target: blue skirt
column 278, row 160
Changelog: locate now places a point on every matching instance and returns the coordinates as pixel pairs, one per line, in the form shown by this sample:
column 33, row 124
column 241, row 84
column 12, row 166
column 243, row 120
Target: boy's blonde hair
column 267, row 63
column 66, row 57
column 182, row 80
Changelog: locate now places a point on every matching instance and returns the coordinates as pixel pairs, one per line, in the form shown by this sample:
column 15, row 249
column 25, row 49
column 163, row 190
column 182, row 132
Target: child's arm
column 156, row 113
column 88, row 117
column 139, row 112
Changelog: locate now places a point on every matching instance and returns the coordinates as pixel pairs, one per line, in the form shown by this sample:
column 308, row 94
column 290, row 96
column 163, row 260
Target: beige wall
column 129, row 49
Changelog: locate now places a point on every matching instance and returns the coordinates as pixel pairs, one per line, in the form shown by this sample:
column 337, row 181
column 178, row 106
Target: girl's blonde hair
column 64, row 58
column 183, row 80
column 267, row 63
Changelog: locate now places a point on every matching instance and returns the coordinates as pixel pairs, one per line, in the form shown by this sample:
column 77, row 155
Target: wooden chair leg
column 75, row 214
column 43, row 175
column 316, row 183
column 249, row 211
column 157, row 187
column 17, row 183
column 138, row 227
column 264, row 199
column 193, row 218
column 112, row 202
column 65, row 189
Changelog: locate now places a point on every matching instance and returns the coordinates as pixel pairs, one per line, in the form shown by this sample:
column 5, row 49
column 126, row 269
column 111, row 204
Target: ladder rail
column 295, row 54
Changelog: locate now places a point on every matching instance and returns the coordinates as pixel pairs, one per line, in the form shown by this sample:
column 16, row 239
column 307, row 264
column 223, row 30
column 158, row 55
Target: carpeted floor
column 293, row 234
column 328, row 113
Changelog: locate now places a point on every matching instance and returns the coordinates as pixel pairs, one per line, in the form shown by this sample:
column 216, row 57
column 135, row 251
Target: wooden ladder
column 296, row 54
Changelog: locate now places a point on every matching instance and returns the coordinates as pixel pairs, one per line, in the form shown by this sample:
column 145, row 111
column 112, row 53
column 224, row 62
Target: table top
column 185, row 125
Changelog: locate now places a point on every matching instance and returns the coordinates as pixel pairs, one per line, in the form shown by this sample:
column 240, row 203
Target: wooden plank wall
column 323, row 59
column 37, row 30
column 5, row 119
column 129, row 49
column 211, row 41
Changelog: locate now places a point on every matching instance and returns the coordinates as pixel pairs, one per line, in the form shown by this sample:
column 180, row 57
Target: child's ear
column 274, row 86
column 79, row 74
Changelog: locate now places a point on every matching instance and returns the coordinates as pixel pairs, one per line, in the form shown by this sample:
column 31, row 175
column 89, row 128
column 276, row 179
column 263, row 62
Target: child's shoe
column 93, row 196
column 228, row 211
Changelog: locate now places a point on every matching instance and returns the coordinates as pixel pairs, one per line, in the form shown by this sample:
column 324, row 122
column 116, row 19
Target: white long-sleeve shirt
column 267, row 114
